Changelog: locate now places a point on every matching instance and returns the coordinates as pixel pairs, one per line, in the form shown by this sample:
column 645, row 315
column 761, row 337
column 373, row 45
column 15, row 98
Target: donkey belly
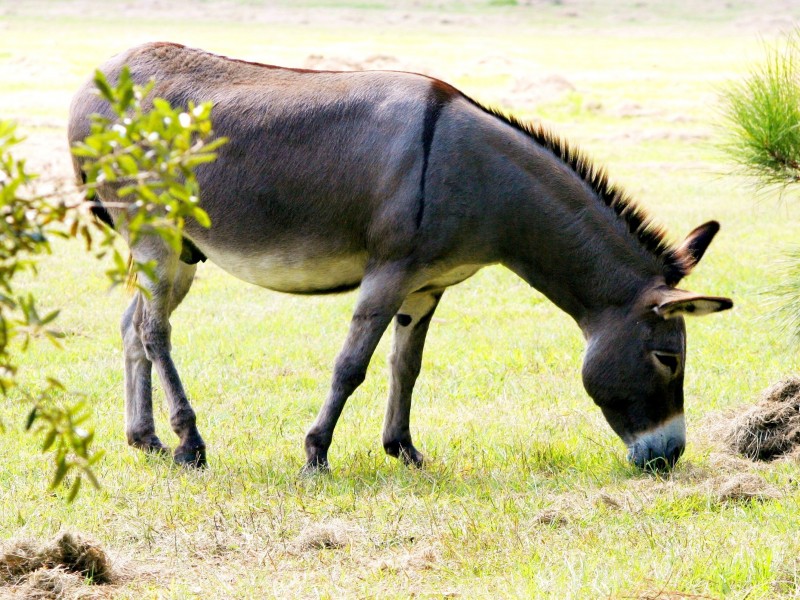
column 294, row 273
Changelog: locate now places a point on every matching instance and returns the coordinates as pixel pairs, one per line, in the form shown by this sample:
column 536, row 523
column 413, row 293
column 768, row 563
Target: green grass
column 527, row 493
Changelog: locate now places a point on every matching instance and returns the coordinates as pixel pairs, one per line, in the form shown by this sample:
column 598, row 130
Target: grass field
column 527, row 493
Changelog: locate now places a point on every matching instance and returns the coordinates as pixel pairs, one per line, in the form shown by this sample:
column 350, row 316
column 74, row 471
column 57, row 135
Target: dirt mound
column 771, row 428
column 58, row 569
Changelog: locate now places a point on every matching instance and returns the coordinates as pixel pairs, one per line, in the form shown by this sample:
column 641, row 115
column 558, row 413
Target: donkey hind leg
column 146, row 334
column 381, row 295
column 411, row 326
column 140, row 427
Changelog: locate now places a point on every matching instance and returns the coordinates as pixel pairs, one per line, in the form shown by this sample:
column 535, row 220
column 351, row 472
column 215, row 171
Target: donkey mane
column 653, row 237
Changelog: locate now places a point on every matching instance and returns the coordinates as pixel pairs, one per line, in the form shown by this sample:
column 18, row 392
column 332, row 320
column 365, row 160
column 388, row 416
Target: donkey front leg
column 380, row 297
column 146, row 338
column 411, row 327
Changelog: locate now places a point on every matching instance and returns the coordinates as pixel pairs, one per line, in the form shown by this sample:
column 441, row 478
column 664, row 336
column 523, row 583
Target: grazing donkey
column 402, row 185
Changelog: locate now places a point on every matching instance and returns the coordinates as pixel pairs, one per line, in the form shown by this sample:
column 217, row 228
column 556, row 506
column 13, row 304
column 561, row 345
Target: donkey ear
column 679, row 302
column 696, row 243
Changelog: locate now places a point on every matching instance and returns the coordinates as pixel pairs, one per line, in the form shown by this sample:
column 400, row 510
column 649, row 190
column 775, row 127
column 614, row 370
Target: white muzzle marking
column 658, row 437
column 666, row 442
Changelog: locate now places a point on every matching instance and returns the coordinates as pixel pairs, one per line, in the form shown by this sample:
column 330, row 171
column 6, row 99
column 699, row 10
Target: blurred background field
column 528, row 493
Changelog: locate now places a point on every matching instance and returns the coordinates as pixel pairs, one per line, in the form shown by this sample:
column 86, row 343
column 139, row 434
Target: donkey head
column 634, row 363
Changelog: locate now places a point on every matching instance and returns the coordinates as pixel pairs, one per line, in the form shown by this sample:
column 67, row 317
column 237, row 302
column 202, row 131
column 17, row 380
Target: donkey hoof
column 405, row 452
column 158, row 450
column 195, row 458
column 149, row 444
column 315, row 466
column 412, row 457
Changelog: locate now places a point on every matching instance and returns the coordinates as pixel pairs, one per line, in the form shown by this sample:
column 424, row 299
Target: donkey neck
column 566, row 240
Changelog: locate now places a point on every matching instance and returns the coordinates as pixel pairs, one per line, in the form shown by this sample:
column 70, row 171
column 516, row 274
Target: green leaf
column 50, row 317
column 202, row 217
column 128, row 164
column 101, row 83
column 61, row 471
column 49, row 439
column 31, row 418
column 73, row 492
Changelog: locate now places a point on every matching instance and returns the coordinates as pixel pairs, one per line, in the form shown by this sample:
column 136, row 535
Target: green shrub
column 150, row 155
column 762, row 117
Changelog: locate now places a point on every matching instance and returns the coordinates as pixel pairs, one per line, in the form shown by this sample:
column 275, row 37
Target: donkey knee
column 155, row 338
column 349, row 375
column 183, row 419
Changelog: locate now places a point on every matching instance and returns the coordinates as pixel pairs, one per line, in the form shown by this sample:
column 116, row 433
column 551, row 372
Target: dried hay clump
column 552, row 517
column 742, row 487
column 318, row 536
column 59, row 569
column 49, row 584
column 771, row 428
column 419, row 559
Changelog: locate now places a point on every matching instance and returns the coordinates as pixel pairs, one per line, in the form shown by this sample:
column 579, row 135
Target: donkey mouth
column 659, row 449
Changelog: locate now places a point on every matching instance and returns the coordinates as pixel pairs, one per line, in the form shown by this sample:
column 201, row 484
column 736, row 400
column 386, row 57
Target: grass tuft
column 762, row 116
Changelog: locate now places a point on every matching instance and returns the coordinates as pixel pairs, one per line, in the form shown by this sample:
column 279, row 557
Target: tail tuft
column 132, row 282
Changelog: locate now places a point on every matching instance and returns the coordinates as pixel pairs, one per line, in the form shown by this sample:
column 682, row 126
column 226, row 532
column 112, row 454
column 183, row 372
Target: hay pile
column 743, row 487
column 61, row 568
column 770, row 429
column 423, row 558
column 332, row 534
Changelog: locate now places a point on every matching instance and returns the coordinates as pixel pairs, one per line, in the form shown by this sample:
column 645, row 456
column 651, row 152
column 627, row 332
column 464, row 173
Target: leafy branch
column 145, row 159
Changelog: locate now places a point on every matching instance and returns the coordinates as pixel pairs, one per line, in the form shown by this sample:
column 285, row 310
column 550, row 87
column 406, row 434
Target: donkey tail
column 132, row 281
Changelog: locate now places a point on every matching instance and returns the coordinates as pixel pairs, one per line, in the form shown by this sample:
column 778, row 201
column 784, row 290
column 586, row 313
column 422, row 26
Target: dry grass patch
column 728, row 480
column 665, row 594
column 45, row 584
column 65, row 567
column 332, row 534
column 742, row 487
column 422, row 558
column 771, row 428
column 553, row 517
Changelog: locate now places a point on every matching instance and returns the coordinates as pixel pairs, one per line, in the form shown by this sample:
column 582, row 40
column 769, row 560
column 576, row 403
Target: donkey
column 404, row 186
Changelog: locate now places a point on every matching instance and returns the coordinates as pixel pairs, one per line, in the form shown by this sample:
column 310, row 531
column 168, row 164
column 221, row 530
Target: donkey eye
column 668, row 360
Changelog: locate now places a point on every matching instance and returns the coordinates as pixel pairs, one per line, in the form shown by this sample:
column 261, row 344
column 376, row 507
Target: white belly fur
column 303, row 274
column 293, row 274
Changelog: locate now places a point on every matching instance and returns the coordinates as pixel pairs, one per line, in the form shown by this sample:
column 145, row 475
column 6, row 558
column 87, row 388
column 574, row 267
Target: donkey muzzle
column 659, row 448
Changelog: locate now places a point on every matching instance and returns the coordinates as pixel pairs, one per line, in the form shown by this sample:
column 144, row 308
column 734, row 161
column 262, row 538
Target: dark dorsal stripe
column 440, row 94
column 674, row 262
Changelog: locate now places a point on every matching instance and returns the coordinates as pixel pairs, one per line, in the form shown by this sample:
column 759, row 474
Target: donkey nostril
column 656, row 460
